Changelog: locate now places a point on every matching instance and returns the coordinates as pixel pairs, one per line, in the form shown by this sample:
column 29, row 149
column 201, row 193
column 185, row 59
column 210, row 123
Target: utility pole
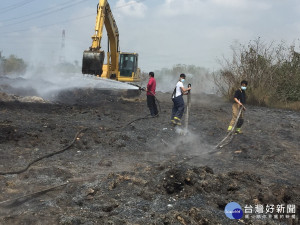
column 1, row 60
column 62, row 48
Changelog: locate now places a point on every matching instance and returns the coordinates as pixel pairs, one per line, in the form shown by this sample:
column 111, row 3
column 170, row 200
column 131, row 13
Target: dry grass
column 288, row 105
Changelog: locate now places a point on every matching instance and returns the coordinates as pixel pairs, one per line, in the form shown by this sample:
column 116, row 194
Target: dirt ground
column 128, row 169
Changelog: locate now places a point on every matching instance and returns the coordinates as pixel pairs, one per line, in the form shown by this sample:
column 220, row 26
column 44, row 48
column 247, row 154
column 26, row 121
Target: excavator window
column 127, row 65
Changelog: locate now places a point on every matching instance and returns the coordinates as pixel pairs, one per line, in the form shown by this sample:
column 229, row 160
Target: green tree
column 288, row 78
column 13, row 65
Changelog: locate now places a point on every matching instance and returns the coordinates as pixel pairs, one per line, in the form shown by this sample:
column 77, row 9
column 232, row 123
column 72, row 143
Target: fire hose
column 147, row 116
column 229, row 136
column 188, row 106
column 45, row 156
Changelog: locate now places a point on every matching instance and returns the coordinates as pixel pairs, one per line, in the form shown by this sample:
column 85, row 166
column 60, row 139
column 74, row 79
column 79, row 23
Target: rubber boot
column 240, row 123
column 177, row 120
column 238, row 131
column 229, row 129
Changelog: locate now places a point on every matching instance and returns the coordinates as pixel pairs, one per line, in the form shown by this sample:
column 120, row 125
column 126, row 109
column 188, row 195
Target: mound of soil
column 125, row 167
column 9, row 98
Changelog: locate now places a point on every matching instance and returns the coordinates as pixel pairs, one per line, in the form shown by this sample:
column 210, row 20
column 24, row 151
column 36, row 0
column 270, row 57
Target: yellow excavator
column 121, row 66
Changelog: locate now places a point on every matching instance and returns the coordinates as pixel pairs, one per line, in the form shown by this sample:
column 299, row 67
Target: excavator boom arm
column 113, row 37
column 96, row 44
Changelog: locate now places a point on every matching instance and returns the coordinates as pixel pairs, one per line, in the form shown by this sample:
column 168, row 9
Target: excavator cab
column 128, row 67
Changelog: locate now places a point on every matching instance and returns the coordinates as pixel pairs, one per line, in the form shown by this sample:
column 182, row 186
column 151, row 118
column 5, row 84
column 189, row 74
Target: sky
column 163, row 32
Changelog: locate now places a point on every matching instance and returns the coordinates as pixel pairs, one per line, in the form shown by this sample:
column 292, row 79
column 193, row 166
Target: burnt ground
column 121, row 171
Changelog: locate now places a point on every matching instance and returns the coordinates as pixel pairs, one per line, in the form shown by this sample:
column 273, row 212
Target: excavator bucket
column 92, row 62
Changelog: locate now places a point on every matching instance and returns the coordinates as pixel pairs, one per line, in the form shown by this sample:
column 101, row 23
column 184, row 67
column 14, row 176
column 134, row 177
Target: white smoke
column 47, row 82
column 202, row 82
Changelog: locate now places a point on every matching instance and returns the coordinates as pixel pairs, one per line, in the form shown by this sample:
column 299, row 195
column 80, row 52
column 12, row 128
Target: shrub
column 12, row 65
column 273, row 73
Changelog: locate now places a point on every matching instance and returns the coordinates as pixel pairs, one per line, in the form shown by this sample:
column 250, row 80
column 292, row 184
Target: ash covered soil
column 126, row 170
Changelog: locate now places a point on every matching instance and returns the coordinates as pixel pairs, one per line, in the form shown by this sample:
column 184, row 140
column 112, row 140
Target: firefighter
column 178, row 103
column 151, row 86
column 239, row 101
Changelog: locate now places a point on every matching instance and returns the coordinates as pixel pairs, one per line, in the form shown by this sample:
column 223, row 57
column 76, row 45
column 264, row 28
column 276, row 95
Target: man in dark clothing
column 239, row 101
column 151, row 86
column 178, row 102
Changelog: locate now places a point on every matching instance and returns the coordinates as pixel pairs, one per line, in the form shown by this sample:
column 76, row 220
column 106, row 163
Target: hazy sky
column 163, row 32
